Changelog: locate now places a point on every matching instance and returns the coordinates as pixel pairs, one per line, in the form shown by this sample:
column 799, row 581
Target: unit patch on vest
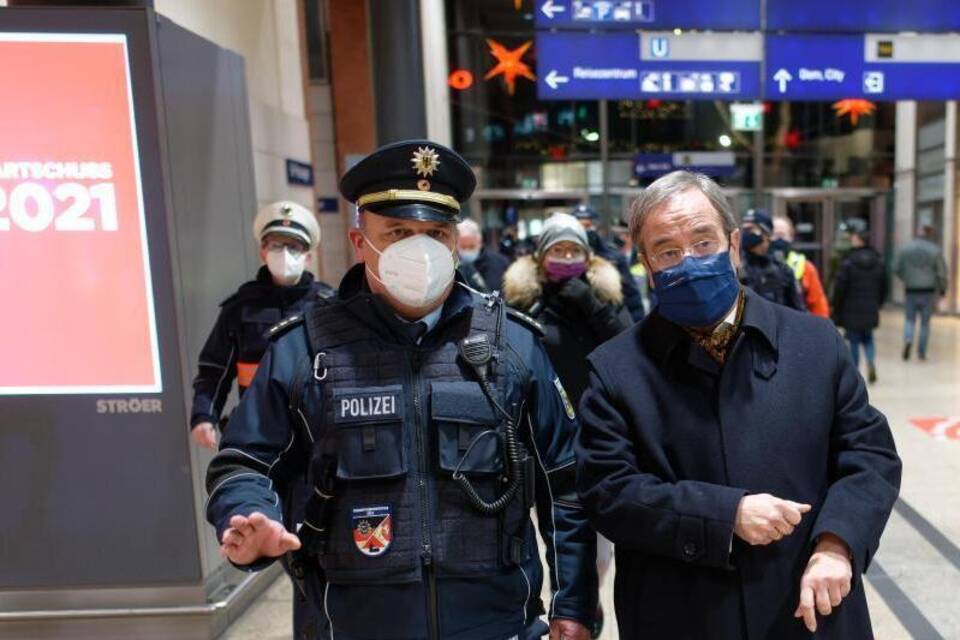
column 368, row 404
column 567, row 405
column 372, row 530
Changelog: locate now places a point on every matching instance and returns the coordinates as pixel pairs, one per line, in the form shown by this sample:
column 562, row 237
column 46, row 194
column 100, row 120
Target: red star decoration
column 509, row 64
column 855, row 107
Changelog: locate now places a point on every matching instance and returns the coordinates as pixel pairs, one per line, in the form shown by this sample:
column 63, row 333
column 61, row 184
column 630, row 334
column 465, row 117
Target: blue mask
column 698, row 291
column 751, row 239
column 780, row 246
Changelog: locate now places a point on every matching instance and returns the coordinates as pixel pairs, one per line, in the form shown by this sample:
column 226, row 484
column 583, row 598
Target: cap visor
column 289, row 232
column 419, row 211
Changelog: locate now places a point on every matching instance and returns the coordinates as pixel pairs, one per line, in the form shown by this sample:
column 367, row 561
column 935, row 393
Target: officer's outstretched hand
column 561, row 629
column 256, row 536
column 205, row 435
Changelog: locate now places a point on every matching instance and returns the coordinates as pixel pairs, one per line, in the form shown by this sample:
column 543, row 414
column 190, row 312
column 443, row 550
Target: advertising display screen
column 75, row 278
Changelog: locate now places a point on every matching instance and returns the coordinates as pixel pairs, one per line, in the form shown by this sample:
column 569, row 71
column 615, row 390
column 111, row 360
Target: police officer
column 286, row 232
column 429, row 421
column 632, row 300
column 761, row 271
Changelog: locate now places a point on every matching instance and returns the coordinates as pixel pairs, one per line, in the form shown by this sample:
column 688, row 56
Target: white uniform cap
column 287, row 218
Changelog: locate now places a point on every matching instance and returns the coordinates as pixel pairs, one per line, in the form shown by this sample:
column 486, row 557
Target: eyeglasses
column 295, row 248
column 561, row 252
column 671, row 257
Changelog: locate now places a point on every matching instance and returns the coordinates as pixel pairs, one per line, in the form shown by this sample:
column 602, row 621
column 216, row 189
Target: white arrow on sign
column 782, row 76
column 554, row 79
column 550, row 9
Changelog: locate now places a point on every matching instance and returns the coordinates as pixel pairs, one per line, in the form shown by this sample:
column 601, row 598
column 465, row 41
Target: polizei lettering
column 368, row 407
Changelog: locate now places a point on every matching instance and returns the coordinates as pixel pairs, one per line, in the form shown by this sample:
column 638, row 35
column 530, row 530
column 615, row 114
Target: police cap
column 585, row 212
column 413, row 179
column 287, row 218
column 761, row 218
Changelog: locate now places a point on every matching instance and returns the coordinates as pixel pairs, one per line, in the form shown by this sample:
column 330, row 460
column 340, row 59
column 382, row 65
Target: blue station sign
column 725, row 15
column 624, row 65
column 872, row 66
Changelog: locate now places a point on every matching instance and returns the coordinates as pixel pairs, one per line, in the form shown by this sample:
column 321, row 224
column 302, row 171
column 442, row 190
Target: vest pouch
column 469, row 439
column 469, row 543
column 369, row 432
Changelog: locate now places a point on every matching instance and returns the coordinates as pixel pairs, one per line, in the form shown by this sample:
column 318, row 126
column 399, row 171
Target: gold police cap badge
column 425, row 161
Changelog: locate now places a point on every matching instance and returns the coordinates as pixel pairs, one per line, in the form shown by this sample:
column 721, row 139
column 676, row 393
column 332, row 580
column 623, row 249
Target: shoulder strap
column 284, row 325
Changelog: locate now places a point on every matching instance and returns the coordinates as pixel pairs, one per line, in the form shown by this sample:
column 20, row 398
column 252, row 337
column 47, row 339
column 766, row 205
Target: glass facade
column 521, row 142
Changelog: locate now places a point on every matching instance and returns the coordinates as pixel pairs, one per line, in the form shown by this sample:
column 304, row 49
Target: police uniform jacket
column 373, row 588
column 771, row 279
column 670, row 443
column 238, row 339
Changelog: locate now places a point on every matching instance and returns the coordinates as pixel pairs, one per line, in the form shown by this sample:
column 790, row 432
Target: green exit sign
column 747, row 116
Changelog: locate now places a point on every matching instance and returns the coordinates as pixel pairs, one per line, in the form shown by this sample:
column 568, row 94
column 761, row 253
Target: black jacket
column 577, row 316
column 486, row 272
column 859, row 290
column 772, row 279
column 632, row 299
column 238, row 339
column 670, row 442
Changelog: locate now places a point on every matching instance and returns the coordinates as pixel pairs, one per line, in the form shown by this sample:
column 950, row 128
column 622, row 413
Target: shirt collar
column 431, row 319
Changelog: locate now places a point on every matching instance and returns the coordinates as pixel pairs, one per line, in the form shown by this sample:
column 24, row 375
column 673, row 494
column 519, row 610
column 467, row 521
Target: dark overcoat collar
column 665, row 342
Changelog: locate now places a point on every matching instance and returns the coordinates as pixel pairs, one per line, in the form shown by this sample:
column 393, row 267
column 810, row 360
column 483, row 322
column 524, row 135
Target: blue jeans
column 922, row 303
column 865, row 338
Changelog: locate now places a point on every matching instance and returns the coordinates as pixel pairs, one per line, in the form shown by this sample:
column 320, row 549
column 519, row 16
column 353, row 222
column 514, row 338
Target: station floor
column 913, row 586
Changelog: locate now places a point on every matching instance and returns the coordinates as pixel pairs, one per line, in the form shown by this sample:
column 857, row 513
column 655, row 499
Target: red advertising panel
column 77, row 303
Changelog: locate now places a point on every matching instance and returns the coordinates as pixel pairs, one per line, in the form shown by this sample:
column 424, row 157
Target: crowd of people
column 771, row 267
column 639, row 392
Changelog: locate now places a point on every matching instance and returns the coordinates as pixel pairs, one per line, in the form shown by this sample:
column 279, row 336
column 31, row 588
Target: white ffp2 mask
column 415, row 271
column 285, row 266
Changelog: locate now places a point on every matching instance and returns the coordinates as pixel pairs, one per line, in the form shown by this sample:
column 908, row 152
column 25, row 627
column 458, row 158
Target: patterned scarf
column 716, row 340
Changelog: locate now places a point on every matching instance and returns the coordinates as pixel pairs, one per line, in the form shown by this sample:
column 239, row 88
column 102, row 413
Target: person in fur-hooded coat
column 575, row 294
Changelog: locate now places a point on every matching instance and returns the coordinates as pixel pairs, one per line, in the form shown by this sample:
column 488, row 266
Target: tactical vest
column 768, row 280
column 397, row 421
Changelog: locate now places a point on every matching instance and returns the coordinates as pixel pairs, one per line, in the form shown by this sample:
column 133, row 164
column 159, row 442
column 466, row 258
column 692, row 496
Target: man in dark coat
column 858, row 293
column 728, row 447
column 481, row 267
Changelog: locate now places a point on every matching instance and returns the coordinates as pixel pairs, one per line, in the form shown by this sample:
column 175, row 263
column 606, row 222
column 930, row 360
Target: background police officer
column 760, row 270
column 430, row 421
column 286, row 233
